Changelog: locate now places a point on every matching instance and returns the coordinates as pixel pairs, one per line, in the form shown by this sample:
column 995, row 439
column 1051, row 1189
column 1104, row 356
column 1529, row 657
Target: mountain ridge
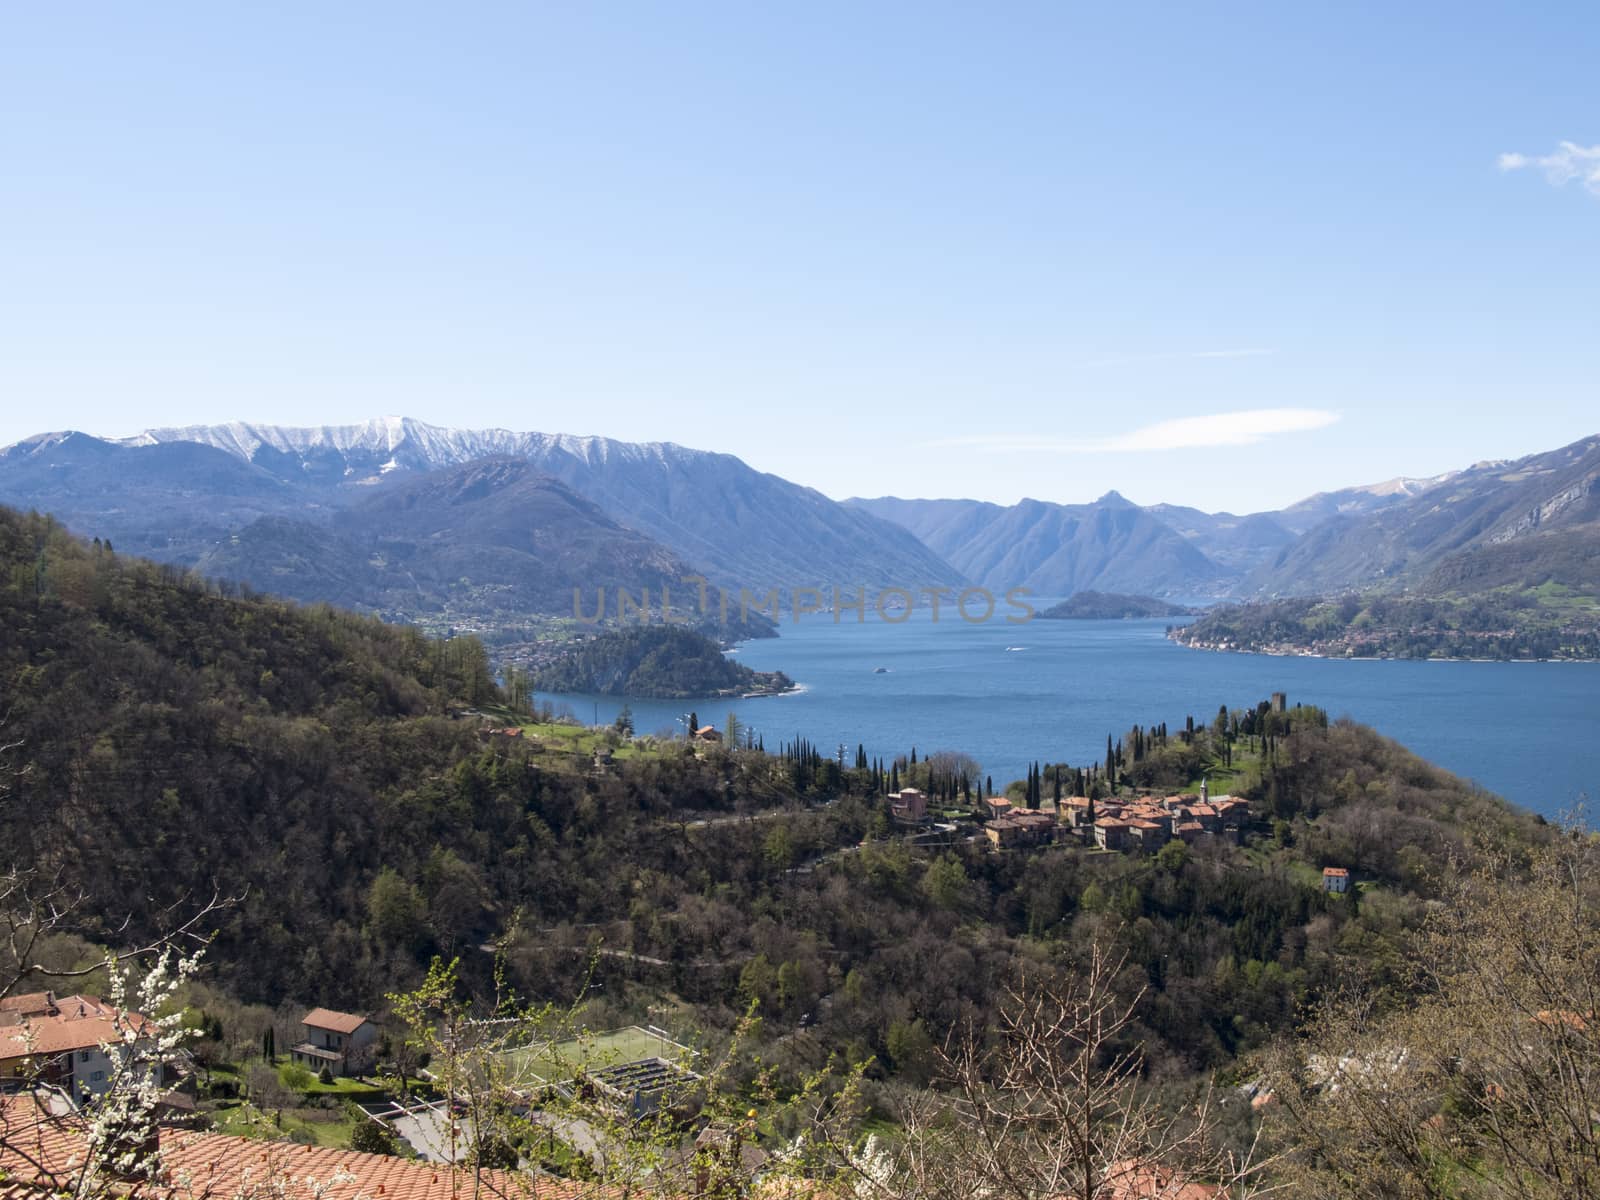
column 186, row 494
column 1396, row 533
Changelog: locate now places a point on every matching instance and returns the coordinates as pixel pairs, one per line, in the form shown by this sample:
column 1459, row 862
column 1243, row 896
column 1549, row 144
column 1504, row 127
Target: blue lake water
column 1529, row 731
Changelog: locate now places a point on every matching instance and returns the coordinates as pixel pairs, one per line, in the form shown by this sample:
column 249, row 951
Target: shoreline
column 1294, row 652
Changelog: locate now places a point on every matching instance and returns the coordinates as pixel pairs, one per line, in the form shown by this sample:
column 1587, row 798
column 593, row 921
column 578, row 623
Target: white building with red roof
column 344, row 1043
column 45, row 1038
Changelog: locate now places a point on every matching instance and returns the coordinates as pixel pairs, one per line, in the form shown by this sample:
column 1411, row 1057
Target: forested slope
column 173, row 737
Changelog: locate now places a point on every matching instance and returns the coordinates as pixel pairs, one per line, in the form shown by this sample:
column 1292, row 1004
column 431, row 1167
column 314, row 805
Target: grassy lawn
column 320, row 1110
column 1306, row 874
column 578, row 739
column 329, row 1126
column 556, row 738
column 347, row 1089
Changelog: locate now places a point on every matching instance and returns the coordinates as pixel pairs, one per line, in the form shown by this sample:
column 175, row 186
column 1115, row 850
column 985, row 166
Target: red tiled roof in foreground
column 40, row 1153
column 1140, row 1181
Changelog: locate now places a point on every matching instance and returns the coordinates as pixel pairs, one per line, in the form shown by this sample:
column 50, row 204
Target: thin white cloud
column 1248, row 427
column 1127, row 359
column 1570, row 161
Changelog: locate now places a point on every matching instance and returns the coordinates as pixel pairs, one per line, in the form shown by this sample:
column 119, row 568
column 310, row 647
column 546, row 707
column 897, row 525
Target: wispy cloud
column 1123, row 360
column 1570, row 161
column 1248, row 427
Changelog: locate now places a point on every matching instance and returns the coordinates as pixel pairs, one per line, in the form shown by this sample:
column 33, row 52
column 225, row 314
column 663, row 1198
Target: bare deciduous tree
column 1483, row 1081
column 1052, row 1103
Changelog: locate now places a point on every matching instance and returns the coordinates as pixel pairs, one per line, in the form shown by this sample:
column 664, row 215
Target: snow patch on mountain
column 395, row 443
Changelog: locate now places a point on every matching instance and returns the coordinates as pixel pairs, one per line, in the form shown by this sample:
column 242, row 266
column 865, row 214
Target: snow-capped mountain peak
column 386, row 444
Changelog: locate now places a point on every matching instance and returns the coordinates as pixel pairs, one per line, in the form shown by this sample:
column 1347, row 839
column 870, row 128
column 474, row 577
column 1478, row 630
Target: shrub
column 371, row 1137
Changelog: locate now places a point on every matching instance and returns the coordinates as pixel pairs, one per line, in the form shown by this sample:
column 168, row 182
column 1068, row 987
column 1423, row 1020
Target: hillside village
column 1141, row 824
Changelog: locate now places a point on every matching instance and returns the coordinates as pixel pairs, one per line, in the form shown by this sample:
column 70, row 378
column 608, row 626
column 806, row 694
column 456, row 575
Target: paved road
column 575, row 1132
column 428, row 1131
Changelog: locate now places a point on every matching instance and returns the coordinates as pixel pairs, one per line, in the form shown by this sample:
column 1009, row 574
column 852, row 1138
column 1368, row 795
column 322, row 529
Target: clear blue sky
column 919, row 249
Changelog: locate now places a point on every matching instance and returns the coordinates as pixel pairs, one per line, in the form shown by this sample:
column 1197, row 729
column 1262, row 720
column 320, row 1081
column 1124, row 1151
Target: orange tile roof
column 1335, row 872
column 1131, row 1180
column 1571, row 1020
column 41, row 1151
column 339, row 1022
column 72, row 1023
column 29, row 1002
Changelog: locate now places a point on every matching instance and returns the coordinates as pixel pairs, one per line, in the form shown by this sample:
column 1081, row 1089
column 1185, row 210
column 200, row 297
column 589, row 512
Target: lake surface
column 1529, row 731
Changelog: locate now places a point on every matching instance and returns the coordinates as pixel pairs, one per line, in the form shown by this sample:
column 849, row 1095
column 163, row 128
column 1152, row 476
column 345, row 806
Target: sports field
column 594, row 1052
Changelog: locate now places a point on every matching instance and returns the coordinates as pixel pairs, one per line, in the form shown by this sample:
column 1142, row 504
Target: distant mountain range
column 407, row 518
column 1496, row 524
column 410, row 519
column 1110, row 545
column 493, row 536
column 1456, row 534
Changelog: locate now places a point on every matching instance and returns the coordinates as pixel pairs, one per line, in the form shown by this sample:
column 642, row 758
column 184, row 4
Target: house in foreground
column 344, row 1043
column 57, row 1040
